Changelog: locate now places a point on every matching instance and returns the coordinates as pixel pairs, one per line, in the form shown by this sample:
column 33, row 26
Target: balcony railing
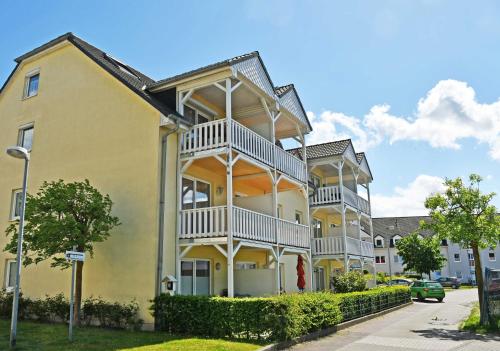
column 212, row 222
column 334, row 245
column 326, row 195
column 213, row 135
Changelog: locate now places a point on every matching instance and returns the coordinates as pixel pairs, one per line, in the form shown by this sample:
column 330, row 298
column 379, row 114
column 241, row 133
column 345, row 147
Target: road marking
column 417, row 344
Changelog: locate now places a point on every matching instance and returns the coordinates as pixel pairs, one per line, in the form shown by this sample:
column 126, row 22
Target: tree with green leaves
column 60, row 217
column 465, row 215
column 419, row 254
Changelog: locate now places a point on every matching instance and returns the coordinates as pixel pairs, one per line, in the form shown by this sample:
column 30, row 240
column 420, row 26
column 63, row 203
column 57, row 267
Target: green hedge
column 95, row 311
column 271, row 319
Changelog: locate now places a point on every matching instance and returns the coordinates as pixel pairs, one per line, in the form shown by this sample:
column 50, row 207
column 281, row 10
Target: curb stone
column 325, row 332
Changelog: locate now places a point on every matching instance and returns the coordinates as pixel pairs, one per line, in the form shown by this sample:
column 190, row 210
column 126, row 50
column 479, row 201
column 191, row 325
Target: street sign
column 75, row 256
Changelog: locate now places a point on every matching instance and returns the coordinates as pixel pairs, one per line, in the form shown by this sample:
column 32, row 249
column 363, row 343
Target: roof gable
column 289, row 98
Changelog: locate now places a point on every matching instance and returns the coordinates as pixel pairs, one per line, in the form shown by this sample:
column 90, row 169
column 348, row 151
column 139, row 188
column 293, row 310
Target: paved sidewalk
column 426, row 325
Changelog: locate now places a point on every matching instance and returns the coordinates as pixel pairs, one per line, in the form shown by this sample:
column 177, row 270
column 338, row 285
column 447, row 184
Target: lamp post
column 21, row 153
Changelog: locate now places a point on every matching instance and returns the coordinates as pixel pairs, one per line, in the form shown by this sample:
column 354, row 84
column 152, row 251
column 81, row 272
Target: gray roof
column 331, row 148
column 283, row 89
column 359, row 156
column 387, row 227
column 223, row 63
column 132, row 78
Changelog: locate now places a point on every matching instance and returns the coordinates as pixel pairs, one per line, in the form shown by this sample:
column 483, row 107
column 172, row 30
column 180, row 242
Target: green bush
column 349, row 282
column 382, row 278
column 56, row 309
column 96, row 311
column 271, row 319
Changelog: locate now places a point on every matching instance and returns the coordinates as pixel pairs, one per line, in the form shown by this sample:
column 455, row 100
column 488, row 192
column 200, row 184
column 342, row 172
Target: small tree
column 464, row 215
column 420, row 255
column 59, row 217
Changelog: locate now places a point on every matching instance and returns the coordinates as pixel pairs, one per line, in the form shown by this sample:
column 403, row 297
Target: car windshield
column 434, row 285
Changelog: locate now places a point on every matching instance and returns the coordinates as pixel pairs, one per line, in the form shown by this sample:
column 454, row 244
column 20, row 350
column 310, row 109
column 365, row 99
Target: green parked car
column 423, row 289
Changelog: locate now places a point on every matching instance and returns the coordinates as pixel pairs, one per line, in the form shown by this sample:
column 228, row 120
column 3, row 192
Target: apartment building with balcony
column 459, row 261
column 340, row 210
column 203, row 188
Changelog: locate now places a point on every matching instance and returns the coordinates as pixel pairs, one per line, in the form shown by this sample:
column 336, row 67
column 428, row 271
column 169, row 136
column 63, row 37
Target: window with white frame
column 16, row 204
column 195, row 193
column 280, row 211
column 491, row 256
column 396, row 239
column 456, row 257
column 195, row 115
column 25, row 137
column 317, row 228
column 380, row 259
column 379, row 242
column 459, row 274
column 397, row 259
column 31, row 84
column 195, row 277
column 316, row 180
column 299, row 218
column 241, row 265
column 10, row 275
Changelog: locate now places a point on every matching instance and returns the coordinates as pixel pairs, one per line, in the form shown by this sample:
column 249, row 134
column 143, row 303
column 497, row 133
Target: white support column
column 308, row 220
column 342, row 206
column 229, row 191
column 178, row 217
column 371, row 224
column 275, row 204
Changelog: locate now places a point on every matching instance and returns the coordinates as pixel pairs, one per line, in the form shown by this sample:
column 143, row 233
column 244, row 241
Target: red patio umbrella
column 301, row 281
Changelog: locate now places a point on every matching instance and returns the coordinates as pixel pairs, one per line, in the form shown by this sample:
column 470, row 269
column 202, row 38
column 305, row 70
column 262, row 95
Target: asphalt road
column 425, row 325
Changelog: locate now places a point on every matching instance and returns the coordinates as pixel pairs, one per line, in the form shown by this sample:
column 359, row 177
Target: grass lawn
column 471, row 323
column 53, row 337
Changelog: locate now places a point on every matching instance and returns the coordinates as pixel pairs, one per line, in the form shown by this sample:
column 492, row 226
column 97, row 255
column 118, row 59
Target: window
column 10, row 275
column 397, row 259
column 31, row 88
column 317, row 228
column 379, row 242
column 298, row 217
column 194, row 115
column 319, row 279
column 195, row 277
column 456, row 257
column 491, row 256
column 280, row 211
column 245, row 265
column 25, row 137
column 471, row 256
column 15, row 210
column 444, row 242
column 459, row 274
column 316, row 180
column 396, row 239
column 380, row 259
column 195, row 194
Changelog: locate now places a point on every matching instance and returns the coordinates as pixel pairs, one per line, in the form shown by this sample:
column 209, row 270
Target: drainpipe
column 161, row 222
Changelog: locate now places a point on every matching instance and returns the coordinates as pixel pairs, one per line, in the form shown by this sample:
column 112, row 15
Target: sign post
column 73, row 256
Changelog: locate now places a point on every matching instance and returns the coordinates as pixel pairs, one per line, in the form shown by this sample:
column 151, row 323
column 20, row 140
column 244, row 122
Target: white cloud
column 408, row 201
column 448, row 113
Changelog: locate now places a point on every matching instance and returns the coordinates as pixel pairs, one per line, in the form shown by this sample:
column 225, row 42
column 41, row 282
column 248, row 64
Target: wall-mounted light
column 219, row 190
column 217, row 266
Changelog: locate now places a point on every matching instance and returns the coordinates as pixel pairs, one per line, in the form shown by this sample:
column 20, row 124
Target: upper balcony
column 331, row 195
column 334, row 245
column 213, row 136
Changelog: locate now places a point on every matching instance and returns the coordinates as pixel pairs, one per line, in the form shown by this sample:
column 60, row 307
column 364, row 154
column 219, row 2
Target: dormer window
column 379, row 242
column 396, row 239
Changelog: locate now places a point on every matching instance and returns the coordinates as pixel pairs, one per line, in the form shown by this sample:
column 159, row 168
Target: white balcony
column 211, row 222
column 329, row 195
column 213, row 135
column 334, row 245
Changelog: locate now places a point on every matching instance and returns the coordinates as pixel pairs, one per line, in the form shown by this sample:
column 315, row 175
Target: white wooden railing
column 334, row 245
column 212, row 222
column 366, row 249
column 293, row 234
column 326, row 195
column 203, row 222
column 291, row 165
column 251, row 143
column 212, row 135
column 331, row 194
column 254, row 226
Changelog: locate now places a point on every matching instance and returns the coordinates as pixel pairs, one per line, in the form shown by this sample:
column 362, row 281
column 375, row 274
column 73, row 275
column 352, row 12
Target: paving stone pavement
column 425, row 325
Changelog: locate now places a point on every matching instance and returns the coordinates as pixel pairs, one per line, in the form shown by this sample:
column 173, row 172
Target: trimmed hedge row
column 95, row 311
column 271, row 319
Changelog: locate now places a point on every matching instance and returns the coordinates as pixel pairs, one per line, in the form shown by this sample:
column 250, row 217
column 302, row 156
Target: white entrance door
column 195, row 277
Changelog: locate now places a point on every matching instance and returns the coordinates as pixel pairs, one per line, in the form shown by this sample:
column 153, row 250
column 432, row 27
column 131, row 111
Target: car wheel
column 440, row 299
column 419, row 297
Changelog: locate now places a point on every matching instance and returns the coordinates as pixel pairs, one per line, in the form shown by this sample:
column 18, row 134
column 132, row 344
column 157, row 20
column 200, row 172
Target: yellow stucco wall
column 89, row 125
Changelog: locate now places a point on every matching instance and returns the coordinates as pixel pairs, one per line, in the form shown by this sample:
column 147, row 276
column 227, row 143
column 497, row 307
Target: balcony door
column 195, row 277
column 317, row 228
column 195, row 194
column 319, row 278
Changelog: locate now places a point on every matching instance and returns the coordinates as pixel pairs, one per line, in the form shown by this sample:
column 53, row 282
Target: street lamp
column 21, row 153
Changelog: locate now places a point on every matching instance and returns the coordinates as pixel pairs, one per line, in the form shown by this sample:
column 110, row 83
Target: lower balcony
column 334, row 245
column 211, row 222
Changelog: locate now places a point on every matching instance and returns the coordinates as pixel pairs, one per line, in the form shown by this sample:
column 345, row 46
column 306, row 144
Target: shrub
column 349, row 282
column 271, row 319
column 382, row 278
column 96, row 311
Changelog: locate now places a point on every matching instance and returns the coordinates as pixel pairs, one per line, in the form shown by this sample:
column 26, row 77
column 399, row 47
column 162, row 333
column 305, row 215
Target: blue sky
column 415, row 83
